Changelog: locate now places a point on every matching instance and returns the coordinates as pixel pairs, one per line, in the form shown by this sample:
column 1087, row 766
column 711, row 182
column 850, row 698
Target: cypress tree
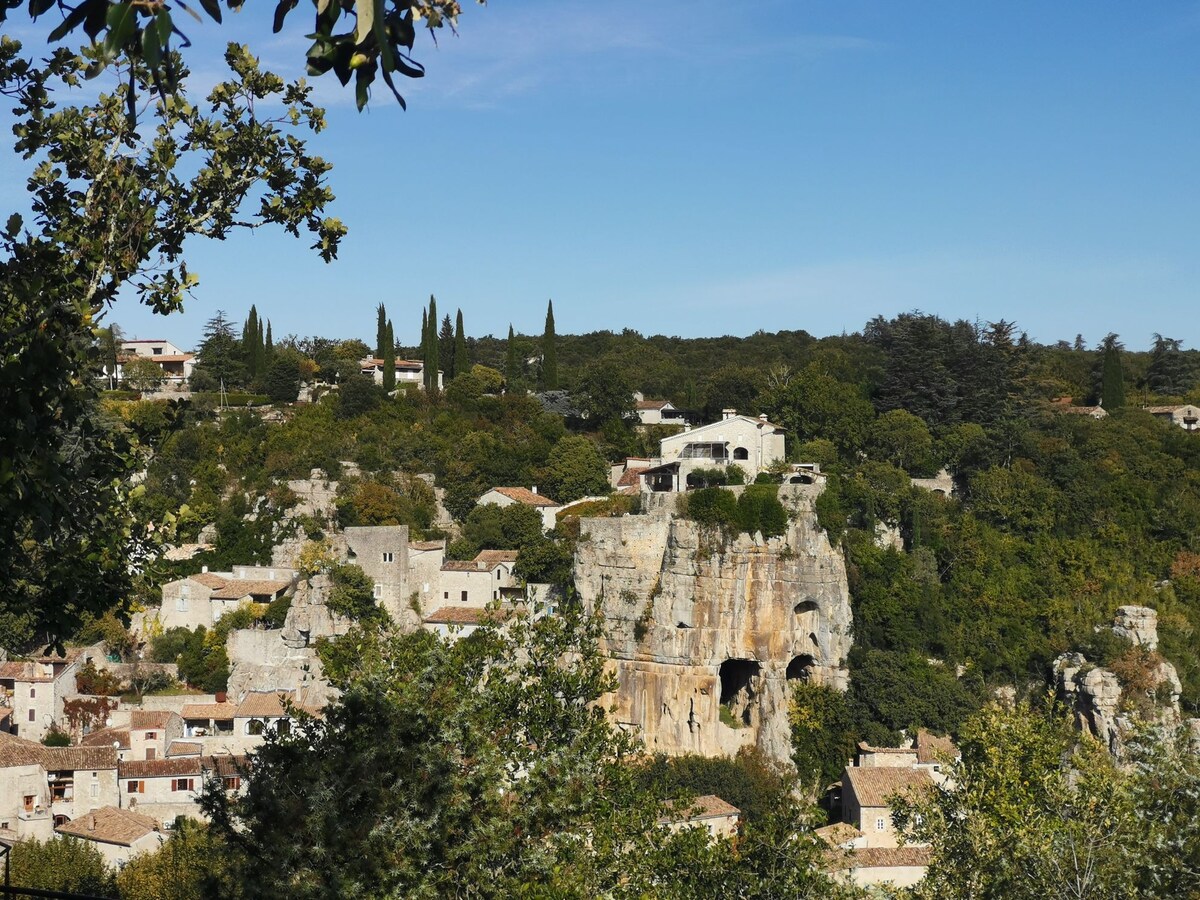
column 431, row 356
column 389, row 358
column 512, row 365
column 425, row 344
column 250, row 342
column 461, row 363
column 380, row 331
column 549, row 354
column 446, row 346
column 1112, row 380
column 260, row 351
column 269, row 345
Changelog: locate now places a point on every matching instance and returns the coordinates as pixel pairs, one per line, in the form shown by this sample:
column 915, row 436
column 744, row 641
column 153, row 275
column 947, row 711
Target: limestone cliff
column 706, row 634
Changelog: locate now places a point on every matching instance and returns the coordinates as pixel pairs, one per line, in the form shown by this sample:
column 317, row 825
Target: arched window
column 741, row 453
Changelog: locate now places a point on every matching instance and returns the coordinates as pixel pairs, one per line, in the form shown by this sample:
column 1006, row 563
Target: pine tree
column 461, row 363
column 389, row 357
column 1112, row 380
column 549, row 353
column 512, row 364
column 380, row 331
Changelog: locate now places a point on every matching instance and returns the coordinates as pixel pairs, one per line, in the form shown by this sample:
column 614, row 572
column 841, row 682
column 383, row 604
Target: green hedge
column 232, row 398
column 121, row 395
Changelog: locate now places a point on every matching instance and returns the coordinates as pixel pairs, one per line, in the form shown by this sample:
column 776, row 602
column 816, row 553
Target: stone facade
column 705, row 635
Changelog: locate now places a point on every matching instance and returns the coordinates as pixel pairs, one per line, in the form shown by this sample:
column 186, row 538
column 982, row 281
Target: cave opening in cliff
column 801, row 668
column 737, row 686
column 806, row 606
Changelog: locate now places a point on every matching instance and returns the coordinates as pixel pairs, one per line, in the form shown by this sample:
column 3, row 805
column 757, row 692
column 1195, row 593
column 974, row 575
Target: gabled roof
column 262, row 704
column 236, row 589
column 375, row 362
column 466, row 615
column 110, row 825
column 875, row 786
column 687, row 436
column 106, row 737
column 493, row 557
column 880, row 858
column 464, row 565
column 708, row 806
column 141, row 719
column 217, row 711
column 177, row 766
column 838, row 834
column 209, row 579
column 426, row 545
column 16, row 751
column 184, row 748
column 526, row 496
column 934, row 749
column 652, row 404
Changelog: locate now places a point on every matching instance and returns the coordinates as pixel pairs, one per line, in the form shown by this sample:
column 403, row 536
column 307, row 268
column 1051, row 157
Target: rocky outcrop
column 1106, row 707
column 707, row 634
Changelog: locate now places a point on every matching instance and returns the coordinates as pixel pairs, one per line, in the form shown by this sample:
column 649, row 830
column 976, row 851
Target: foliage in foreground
column 483, row 768
column 1035, row 811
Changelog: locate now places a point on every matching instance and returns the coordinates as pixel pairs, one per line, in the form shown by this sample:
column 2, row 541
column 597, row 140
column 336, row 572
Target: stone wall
column 694, row 623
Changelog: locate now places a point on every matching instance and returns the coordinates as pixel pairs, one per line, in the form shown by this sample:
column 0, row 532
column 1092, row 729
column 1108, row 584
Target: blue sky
column 702, row 168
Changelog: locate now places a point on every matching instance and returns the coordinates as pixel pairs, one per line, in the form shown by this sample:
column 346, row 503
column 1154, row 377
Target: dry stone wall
column 706, row 634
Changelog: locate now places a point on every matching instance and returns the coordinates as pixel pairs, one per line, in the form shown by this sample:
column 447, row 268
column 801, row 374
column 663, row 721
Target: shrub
column 168, row 646
column 353, row 594
column 713, row 506
column 90, row 680
column 759, row 509
column 56, row 738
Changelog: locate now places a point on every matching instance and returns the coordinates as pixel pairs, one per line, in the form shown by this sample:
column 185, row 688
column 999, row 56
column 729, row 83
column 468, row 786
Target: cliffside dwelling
column 43, row 787
column 32, row 692
column 203, row 598
column 507, row 496
column 753, row 444
column 710, row 812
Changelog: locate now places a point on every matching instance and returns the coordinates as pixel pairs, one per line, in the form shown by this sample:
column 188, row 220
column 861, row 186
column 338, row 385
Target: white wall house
column 477, row 582
column 408, row 371
column 176, row 364
column 202, row 599
column 752, row 443
column 657, row 412
column 34, row 691
column 1186, row 417
column 507, row 496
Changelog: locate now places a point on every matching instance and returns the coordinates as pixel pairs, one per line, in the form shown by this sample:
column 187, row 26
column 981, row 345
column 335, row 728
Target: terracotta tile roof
column 467, row 615
column 652, row 404
column 934, row 749
column 24, row 671
column 526, row 496
column 427, row 545
column 171, row 357
column 864, row 747
column 838, row 834
column 400, row 363
column 631, row 491
column 631, row 477
column 106, row 737
column 708, row 806
column 15, row 751
column 884, row 857
column 159, row 768
column 463, row 565
column 5, row 712
column 235, row 589
column 262, row 704
column 184, row 748
column 141, row 719
column 209, row 579
column 874, row 786
column 218, row 711
column 110, row 825
column 492, row 557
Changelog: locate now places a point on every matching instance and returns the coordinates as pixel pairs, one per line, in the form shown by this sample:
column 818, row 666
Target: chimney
column 728, row 413
column 534, row 489
column 762, row 417
column 91, row 823
column 203, row 570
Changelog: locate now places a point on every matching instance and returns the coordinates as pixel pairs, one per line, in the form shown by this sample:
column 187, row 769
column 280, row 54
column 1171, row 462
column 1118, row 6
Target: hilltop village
column 784, row 578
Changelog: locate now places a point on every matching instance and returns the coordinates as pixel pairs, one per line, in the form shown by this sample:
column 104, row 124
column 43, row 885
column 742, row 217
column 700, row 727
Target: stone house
column 118, row 834
column 408, row 371
column 149, row 734
column 42, row 787
column 753, row 444
column 425, row 559
column 381, row 551
column 202, row 599
column 176, row 365
column 507, row 496
column 867, row 793
column 628, row 474
column 719, row 818
column 1186, row 417
column 165, row 789
column 485, row 579
column 34, row 690
column 454, row 622
column 208, row 720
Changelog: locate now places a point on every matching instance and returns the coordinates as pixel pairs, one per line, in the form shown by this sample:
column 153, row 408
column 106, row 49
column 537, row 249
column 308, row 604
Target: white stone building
column 507, row 496
column 408, row 371
column 487, row 578
column 176, row 364
column 753, row 444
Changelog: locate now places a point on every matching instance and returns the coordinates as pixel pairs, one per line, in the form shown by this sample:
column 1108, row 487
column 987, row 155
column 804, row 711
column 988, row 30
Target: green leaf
column 122, row 20
column 151, row 48
column 73, row 20
column 14, row 225
column 365, row 10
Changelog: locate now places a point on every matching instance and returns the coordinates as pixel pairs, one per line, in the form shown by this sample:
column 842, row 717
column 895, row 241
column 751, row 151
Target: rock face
column 705, row 635
column 1101, row 704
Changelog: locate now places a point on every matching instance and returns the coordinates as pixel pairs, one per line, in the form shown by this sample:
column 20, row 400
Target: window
column 32, row 692
column 33, row 713
column 95, row 789
column 181, row 605
column 388, row 557
column 464, row 596
column 232, row 782
column 151, row 735
column 255, row 726
column 135, row 787
column 445, row 595
column 4, row 826
column 181, row 784
column 29, row 798
column 741, row 453
column 378, row 590
column 156, row 351
column 880, row 823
